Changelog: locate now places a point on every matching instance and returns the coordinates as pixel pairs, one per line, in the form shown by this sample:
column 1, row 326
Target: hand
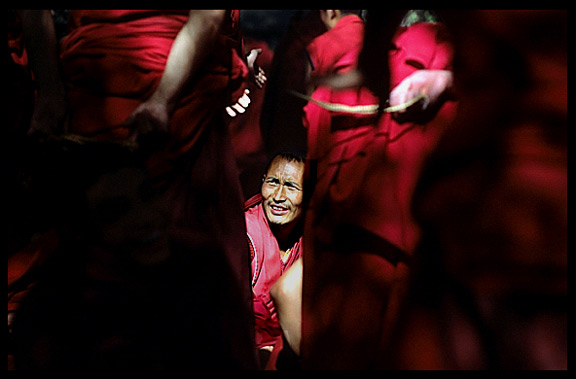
column 241, row 104
column 432, row 83
column 48, row 117
column 149, row 122
column 256, row 72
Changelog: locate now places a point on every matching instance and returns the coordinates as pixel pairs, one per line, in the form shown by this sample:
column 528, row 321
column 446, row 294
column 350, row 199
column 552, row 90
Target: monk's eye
column 292, row 186
column 272, row 181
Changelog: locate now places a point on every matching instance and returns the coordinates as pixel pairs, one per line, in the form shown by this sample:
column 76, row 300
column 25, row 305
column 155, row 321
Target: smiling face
column 282, row 191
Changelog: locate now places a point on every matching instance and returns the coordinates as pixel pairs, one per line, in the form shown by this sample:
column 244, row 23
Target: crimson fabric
column 245, row 131
column 114, row 59
column 24, row 263
column 359, row 232
column 281, row 119
column 110, row 68
column 24, row 269
column 492, row 202
column 194, row 307
column 28, row 245
column 267, row 267
column 337, row 50
column 399, row 150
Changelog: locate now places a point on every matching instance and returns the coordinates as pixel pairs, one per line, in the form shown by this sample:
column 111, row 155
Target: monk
column 359, row 235
column 281, row 118
column 245, row 132
column 31, row 239
column 335, row 52
column 147, row 92
column 274, row 225
column 491, row 292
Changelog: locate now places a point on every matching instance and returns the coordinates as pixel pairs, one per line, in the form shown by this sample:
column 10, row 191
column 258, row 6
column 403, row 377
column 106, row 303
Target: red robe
column 335, row 135
column 335, row 52
column 492, row 203
column 111, row 75
column 400, row 149
column 267, row 267
column 247, row 141
column 195, row 306
column 359, row 233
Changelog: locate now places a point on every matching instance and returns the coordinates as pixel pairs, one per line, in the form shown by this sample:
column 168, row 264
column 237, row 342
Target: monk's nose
column 280, row 194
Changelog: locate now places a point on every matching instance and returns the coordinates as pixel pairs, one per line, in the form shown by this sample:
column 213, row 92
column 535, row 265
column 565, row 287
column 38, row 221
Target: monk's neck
column 286, row 235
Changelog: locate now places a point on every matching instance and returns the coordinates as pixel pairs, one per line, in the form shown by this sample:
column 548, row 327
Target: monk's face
column 282, row 191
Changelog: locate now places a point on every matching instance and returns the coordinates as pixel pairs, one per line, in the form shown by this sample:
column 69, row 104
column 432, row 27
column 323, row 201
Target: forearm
column 41, row 45
column 436, row 85
column 287, row 295
column 42, row 48
column 189, row 51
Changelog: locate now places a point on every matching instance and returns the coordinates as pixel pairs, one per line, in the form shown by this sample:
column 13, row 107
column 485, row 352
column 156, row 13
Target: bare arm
column 189, row 51
column 287, row 295
column 42, row 48
column 435, row 84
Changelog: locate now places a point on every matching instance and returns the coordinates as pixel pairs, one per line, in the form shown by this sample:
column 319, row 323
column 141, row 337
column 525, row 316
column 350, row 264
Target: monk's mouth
column 278, row 210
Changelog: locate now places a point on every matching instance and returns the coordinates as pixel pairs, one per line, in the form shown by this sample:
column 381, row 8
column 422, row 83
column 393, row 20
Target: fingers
column 254, row 54
column 230, row 112
column 402, row 94
column 38, row 135
column 234, row 109
column 148, row 125
column 256, row 72
column 260, row 78
column 244, row 100
column 408, row 90
column 49, row 118
column 241, row 104
column 431, row 83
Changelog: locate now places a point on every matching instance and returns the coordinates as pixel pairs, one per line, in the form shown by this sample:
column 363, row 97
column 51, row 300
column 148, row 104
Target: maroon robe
column 191, row 308
column 267, row 267
column 491, row 292
column 359, row 233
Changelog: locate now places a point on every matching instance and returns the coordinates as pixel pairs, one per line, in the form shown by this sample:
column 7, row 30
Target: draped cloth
column 115, row 59
column 359, row 233
column 267, row 267
column 187, row 307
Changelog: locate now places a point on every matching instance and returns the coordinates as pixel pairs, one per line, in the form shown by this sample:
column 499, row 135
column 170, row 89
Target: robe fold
column 267, row 267
column 190, row 305
column 359, row 234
